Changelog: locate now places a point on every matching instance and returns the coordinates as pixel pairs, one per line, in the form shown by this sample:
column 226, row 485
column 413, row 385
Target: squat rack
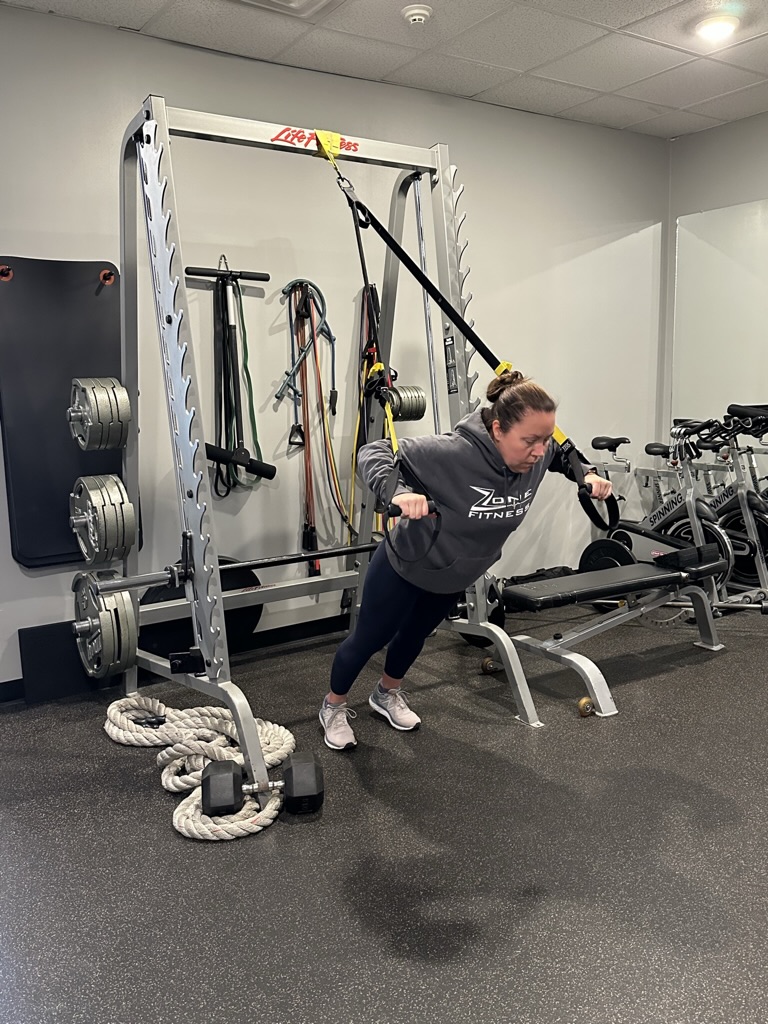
column 146, row 157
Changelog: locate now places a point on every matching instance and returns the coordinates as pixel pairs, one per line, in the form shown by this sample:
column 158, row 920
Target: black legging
column 393, row 612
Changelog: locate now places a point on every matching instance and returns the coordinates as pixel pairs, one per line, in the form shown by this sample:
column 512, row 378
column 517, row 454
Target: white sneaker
column 392, row 704
column 334, row 719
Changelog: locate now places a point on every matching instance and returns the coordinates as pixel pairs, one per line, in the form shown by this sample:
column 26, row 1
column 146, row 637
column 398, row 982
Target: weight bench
column 639, row 588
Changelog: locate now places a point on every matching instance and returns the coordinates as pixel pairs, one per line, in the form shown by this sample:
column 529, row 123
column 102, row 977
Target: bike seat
column 608, row 444
column 654, row 448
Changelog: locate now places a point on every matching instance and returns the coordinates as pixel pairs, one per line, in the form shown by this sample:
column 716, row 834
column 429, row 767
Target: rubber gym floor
column 595, row 871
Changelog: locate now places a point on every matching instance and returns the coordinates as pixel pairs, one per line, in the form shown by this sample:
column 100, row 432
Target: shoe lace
column 398, row 698
column 340, row 709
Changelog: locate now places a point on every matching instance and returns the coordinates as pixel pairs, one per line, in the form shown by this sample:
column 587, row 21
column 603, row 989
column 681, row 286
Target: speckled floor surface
column 591, row 872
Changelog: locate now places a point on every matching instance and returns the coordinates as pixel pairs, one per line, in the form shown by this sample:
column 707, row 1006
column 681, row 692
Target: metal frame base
column 510, row 661
column 558, row 649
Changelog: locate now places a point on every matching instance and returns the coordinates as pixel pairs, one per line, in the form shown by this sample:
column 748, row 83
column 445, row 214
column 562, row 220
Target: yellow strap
column 559, row 436
column 391, row 426
column 329, row 146
column 379, row 368
column 502, row 368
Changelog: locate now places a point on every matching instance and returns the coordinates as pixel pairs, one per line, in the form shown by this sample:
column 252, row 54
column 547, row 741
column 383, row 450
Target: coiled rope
column 193, row 737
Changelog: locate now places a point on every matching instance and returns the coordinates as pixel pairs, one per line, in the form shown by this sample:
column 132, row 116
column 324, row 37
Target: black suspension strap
column 378, row 384
column 364, row 218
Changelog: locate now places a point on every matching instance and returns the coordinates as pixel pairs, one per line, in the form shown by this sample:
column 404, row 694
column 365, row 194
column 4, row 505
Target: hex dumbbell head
column 222, row 786
column 304, row 784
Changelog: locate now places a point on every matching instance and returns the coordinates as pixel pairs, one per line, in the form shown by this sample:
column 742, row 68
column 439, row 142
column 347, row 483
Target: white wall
column 721, row 310
column 714, row 349
column 724, row 166
column 564, row 229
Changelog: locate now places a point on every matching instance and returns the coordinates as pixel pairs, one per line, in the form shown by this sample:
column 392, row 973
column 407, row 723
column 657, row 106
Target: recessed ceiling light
column 718, row 28
column 298, row 8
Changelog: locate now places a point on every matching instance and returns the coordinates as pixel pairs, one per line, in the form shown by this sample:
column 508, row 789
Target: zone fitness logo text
column 493, row 507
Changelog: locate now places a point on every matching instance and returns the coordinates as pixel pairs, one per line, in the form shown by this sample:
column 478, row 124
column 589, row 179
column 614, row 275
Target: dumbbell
column 225, row 789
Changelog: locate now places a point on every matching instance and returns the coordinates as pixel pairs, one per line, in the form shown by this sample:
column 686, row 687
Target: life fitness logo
column 302, row 140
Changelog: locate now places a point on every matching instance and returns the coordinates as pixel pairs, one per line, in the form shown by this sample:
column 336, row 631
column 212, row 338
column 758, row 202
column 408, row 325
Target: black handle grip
column 394, row 510
column 243, row 275
column 748, row 411
column 608, row 522
column 252, row 466
column 689, row 427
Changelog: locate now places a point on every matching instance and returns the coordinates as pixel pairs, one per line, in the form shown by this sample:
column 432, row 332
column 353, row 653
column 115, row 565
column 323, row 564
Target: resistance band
column 307, row 321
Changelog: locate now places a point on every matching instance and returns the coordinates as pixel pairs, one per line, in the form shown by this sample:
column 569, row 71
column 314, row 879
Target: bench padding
column 601, row 584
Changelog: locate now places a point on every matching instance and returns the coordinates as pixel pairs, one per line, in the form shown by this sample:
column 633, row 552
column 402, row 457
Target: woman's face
column 526, row 441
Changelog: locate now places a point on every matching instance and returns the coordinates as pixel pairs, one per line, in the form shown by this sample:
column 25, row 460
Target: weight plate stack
column 105, row 627
column 102, row 518
column 408, row 402
column 99, row 414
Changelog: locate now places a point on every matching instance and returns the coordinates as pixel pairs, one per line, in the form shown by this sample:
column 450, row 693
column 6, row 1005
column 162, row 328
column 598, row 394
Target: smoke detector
column 417, row 14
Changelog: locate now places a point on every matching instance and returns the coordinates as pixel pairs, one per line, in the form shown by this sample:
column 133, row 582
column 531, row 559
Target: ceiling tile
column 450, row 75
column 342, row 54
column 677, row 25
column 613, row 13
column 538, row 95
column 381, row 19
column 105, row 12
column 613, row 111
column 752, row 55
column 691, row 83
column 678, row 122
column 521, row 39
column 613, row 62
column 231, row 28
column 736, row 105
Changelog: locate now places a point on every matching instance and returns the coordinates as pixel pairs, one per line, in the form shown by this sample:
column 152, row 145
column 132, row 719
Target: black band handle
column 748, row 411
column 607, row 522
column 687, row 428
column 240, row 457
column 394, row 510
column 242, row 275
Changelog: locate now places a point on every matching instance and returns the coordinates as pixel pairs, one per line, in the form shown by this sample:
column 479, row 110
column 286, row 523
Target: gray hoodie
column 480, row 500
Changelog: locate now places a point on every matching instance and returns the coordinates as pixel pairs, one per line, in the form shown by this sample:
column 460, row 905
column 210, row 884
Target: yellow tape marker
column 328, row 145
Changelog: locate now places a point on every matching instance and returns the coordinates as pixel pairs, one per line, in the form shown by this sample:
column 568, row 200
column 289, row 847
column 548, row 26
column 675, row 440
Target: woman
column 482, row 477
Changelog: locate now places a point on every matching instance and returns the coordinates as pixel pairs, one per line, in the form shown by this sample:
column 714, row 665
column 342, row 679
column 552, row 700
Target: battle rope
column 193, row 737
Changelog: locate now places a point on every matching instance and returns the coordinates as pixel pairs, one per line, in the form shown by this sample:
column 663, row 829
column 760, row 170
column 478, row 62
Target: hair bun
column 507, row 379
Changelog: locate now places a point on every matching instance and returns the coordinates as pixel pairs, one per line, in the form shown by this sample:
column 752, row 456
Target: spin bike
column 684, row 520
column 741, row 510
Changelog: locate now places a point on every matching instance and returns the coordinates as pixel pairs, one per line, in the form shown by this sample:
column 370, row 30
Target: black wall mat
column 57, row 321
column 50, row 665
column 11, row 691
column 52, row 668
